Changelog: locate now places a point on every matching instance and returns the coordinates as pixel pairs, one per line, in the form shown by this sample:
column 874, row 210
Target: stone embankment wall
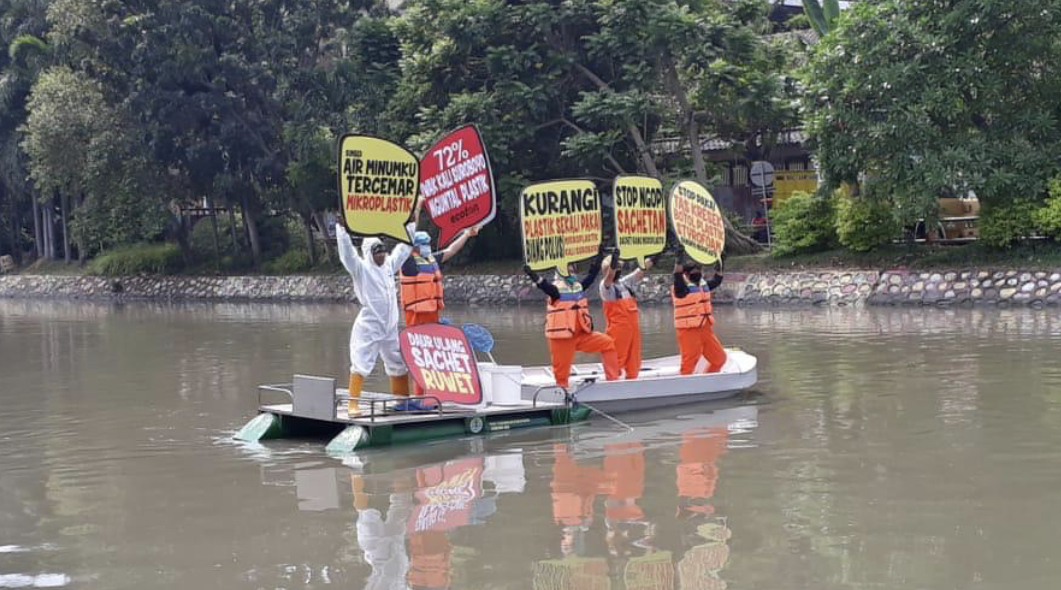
column 843, row 287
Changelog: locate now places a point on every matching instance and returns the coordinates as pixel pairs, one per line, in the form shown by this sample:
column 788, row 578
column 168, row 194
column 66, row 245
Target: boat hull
column 659, row 386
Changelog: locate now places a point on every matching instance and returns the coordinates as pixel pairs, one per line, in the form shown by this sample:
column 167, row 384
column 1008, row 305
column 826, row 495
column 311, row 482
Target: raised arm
column 714, row 282
column 401, row 252
column 545, row 286
column 347, row 253
column 609, row 263
column 452, row 250
column 594, row 270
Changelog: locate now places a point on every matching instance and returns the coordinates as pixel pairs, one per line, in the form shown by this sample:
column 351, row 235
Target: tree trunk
column 80, row 239
column 217, row 235
column 181, row 234
column 38, row 236
column 252, row 230
column 736, row 242
column 308, row 224
column 16, row 233
column 48, row 218
column 322, row 225
column 232, row 227
column 64, row 210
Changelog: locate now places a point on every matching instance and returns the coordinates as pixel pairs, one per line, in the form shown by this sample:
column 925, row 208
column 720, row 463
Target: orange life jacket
column 623, row 310
column 568, row 315
column 693, row 310
column 422, row 292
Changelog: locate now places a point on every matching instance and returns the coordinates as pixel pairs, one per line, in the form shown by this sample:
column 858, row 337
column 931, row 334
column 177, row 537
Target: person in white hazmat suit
column 375, row 331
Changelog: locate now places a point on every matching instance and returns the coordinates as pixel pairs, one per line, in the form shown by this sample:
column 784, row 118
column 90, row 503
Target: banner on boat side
column 640, row 217
column 561, row 223
column 446, row 495
column 378, row 186
column 457, row 184
column 697, row 221
column 442, row 363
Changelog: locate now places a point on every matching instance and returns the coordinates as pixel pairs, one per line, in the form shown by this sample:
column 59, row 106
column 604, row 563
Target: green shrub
column 138, row 259
column 292, row 261
column 864, row 223
column 803, row 223
column 1003, row 223
column 1048, row 217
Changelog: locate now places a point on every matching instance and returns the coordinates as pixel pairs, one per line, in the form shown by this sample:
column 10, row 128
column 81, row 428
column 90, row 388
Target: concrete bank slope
column 826, row 287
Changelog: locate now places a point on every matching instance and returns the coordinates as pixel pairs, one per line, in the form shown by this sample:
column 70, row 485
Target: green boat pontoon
column 312, row 406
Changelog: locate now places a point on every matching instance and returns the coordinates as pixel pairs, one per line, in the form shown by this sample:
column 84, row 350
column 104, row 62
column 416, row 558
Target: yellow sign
column 379, row 182
column 697, row 221
column 561, row 223
column 787, row 182
column 640, row 217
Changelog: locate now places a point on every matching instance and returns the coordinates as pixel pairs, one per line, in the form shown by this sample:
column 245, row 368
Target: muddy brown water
column 882, row 448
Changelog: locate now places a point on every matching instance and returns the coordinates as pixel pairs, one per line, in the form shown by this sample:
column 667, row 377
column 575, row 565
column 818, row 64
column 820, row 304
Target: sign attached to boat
column 442, row 363
column 697, row 221
column 561, row 223
column 457, row 184
column 640, row 217
column 378, row 186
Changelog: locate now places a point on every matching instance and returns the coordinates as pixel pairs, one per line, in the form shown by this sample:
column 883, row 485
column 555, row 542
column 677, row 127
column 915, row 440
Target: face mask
column 695, row 277
column 425, row 251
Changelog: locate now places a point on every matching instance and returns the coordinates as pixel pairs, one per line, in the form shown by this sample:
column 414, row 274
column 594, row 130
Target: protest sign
column 441, row 362
column 457, row 184
column 378, row 186
column 697, row 221
column 640, row 217
column 561, row 223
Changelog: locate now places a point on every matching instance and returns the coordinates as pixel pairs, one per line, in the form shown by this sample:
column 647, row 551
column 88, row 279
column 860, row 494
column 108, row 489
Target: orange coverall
column 693, row 322
column 620, row 311
column 569, row 328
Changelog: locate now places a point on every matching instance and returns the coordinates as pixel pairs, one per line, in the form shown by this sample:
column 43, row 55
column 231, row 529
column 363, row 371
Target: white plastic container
column 507, row 385
column 486, row 379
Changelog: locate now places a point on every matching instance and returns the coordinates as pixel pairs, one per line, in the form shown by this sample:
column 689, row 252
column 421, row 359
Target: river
column 882, row 448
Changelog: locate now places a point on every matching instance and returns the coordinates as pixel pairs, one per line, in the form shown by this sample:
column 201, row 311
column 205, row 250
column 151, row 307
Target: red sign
column 446, row 495
column 457, row 184
column 442, row 363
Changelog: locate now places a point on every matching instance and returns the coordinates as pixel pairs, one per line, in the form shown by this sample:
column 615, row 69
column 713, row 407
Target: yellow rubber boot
column 357, row 484
column 400, row 385
column 356, row 382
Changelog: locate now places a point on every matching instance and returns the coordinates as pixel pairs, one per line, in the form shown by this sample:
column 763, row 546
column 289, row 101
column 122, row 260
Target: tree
column 931, row 99
column 822, row 15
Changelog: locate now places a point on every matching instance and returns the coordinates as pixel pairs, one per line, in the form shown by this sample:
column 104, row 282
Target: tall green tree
column 928, row 99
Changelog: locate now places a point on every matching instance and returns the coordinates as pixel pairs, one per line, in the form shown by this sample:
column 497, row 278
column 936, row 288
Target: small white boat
column 658, row 385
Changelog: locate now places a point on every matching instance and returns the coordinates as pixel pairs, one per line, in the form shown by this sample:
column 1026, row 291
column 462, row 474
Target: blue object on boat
column 445, row 321
column 479, row 337
column 413, row 405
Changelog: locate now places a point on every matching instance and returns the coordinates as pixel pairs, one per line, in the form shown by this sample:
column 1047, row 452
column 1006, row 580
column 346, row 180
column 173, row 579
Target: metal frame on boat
column 315, row 407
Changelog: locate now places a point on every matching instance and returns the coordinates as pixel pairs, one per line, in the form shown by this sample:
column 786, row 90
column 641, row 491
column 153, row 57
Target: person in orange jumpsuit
column 568, row 325
column 421, row 280
column 693, row 321
column 620, row 313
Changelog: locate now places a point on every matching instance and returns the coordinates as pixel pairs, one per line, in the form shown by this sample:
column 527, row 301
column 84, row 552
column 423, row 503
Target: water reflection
column 606, row 521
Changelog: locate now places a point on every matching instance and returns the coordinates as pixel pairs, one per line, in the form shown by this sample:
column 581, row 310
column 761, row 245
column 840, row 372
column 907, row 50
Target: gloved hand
column 530, row 273
column 339, row 229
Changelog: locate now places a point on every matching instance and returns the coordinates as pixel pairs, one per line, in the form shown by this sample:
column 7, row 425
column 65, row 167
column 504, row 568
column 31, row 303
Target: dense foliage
column 122, row 122
column 804, row 223
column 932, row 99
